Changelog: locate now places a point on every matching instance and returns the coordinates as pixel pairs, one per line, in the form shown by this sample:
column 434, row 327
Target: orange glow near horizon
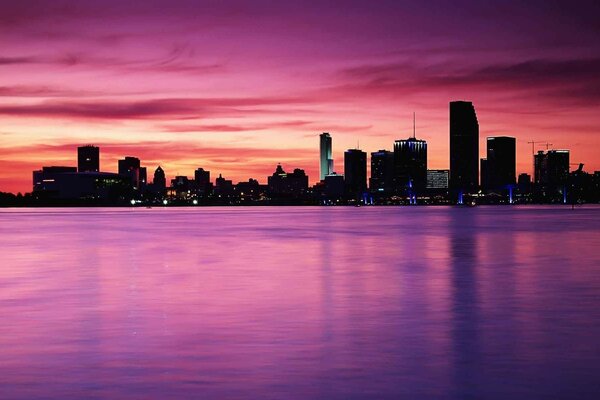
column 237, row 89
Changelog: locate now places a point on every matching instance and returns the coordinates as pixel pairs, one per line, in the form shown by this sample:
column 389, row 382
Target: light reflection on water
column 300, row 303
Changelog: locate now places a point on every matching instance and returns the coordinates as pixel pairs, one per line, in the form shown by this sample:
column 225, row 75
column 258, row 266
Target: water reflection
column 296, row 303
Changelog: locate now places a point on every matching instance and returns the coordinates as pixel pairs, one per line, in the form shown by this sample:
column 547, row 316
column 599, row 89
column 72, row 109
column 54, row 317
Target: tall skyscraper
column 326, row 160
column 130, row 167
column 88, row 159
column 410, row 163
column 355, row 172
column 382, row 171
column 501, row 163
column 464, row 147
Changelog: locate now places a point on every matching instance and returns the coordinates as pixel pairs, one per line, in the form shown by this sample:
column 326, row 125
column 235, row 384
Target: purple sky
column 236, row 87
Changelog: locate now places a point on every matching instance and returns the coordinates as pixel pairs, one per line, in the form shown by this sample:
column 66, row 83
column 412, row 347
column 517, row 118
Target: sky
column 236, row 87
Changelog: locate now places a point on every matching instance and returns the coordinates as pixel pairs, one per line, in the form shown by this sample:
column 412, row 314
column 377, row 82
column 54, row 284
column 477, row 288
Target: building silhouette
column 202, row 182
column 45, row 179
column 130, row 167
column 382, row 172
column 410, row 164
column 223, row 187
column 499, row 169
column 464, row 147
column 551, row 174
column 355, row 172
column 326, row 159
column 159, row 181
column 88, row 159
column 282, row 184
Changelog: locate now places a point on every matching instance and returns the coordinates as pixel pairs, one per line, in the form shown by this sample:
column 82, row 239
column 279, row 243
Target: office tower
column 333, row 186
column 88, row 159
column 326, row 160
column 410, row 164
column 552, row 167
column 284, row 184
column 355, row 172
column 130, row 167
column 437, row 179
column 464, row 147
column 382, row 171
column 551, row 174
column 501, row 162
column 202, row 181
column 159, row 181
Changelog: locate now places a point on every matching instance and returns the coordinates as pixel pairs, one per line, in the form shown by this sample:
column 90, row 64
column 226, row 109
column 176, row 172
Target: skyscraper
column 382, row 171
column 326, row 160
column 202, row 181
column 501, row 163
column 130, row 167
column 159, row 181
column 551, row 173
column 355, row 172
column 464, row 147
column 88, row 159
column 410, row 163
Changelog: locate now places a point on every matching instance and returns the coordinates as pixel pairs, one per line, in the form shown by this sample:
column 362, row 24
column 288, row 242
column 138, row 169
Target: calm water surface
column 300, row 303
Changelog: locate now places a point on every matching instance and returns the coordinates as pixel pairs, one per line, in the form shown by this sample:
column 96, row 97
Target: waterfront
column 300, row 303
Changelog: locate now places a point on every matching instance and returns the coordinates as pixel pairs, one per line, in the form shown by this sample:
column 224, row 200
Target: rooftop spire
column 414, row 125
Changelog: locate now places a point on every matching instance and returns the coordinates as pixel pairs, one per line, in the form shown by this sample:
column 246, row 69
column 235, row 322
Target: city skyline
column 237, row 88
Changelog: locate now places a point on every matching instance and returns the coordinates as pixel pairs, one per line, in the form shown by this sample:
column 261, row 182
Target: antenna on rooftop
column 414, row 125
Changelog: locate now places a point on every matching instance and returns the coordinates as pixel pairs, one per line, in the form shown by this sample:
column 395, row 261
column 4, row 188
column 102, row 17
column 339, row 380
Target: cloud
column 153, row 108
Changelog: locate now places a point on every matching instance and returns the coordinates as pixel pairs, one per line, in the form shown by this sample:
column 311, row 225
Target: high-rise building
column 130, row 167
column 159, row 181
column 410, row 164
column 202, row 181
column 552, row 167
column 501, row 163
column 464, row 147
column 437, row 179
column 326, row 159
column 88, row 159
column 355, row 172
column 382, row 171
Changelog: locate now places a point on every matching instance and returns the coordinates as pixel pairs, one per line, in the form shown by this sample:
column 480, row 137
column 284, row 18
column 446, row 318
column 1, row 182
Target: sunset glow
column 236, row 87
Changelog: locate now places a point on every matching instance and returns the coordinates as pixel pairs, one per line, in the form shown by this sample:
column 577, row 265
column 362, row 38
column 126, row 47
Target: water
column 300, row 303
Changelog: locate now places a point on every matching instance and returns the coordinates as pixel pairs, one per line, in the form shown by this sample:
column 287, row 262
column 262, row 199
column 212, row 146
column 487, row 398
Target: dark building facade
column 159, row 182
column 355, row 172
column 202, row 182
column 501, row 163
column 130, row 168
column 464, row 147
column 382, row 171
column 287, row 185
column 46, row 179
column 551, row 174
column 410, row 164
column 88, row 159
